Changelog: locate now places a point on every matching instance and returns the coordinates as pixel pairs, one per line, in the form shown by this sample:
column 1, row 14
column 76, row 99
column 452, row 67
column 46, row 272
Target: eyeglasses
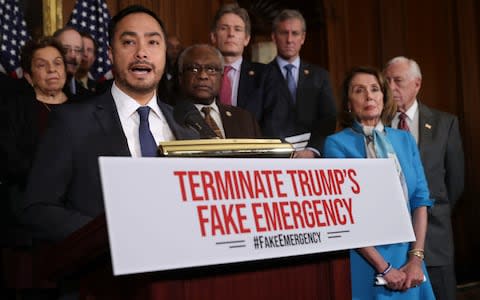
column 69, row 49
column 197, row 69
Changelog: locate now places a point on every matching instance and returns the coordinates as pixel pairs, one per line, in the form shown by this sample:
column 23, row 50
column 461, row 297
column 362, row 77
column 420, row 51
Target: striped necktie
column 402, row 122
column 211, row 122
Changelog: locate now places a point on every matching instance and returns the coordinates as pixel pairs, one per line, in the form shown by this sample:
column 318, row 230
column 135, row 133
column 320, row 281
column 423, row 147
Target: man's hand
column 304, row 154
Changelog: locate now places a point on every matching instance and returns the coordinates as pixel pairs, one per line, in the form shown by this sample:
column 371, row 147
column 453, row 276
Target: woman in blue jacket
column 367, row 108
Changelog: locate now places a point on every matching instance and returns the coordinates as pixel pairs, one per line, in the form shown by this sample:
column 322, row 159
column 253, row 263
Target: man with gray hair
column 438, row 137
column 301, row 98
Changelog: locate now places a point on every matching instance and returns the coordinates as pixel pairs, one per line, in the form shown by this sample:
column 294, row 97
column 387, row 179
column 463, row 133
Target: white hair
column 414, row 69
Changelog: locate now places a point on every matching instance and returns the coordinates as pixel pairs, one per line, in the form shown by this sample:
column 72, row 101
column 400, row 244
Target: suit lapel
column 302, row 73
column 108, row 120
column 227, row 120
column 244, row 83
column 180, row 133
column 426, row 126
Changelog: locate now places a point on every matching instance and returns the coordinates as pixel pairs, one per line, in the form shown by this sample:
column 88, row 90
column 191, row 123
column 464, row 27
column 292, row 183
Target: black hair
column 132, row 9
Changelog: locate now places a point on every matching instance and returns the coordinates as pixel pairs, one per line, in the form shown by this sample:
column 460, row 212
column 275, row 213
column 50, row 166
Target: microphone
column 186, row 114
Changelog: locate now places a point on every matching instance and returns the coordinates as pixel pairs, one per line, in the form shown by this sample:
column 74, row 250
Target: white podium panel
column 168, row 213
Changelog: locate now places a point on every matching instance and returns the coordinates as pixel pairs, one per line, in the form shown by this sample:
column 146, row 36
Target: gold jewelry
column 418, row 253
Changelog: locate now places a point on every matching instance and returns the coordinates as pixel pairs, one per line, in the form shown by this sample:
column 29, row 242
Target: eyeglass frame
column 69, row 49
column 214, row 70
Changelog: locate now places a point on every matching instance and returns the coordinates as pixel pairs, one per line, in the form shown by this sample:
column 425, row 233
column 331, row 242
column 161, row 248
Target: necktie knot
column 143, row 112
column 292, row 86
column 206, row 110
column 148, row 146
column 289, row 67
column 227, row 69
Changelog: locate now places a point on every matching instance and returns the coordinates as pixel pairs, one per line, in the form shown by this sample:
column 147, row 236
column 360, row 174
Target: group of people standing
column 51, row 168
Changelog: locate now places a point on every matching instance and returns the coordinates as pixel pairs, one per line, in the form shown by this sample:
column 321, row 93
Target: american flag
column 91, row 16
column 13, row 36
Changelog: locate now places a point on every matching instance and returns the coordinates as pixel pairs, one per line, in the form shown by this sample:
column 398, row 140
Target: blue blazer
column 351, row 144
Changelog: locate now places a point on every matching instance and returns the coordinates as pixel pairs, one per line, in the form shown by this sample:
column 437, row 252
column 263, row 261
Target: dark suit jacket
column 238, row 123
column 64, row 192
column 250, row 87
column 81, row 92
column 442, row 156
column 313, row 111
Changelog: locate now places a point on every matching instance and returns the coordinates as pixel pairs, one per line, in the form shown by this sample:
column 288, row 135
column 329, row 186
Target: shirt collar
column 412, row 110
column 213, row 106
column 237, row 64
column 127, row 106
column 282, row 62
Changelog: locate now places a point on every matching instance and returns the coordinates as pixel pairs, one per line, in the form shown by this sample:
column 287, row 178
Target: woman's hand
column 413, row 271
column 395, row 279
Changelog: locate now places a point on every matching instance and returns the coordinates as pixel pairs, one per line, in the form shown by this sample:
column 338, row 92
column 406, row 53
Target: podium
column 83, row 258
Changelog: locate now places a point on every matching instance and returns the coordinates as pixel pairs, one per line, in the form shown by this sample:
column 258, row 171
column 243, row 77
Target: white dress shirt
column 130, row 120
column 412, row 120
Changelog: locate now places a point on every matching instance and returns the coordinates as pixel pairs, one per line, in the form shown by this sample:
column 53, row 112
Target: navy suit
column 250, row 87
column 313, row 111
column 64, row 192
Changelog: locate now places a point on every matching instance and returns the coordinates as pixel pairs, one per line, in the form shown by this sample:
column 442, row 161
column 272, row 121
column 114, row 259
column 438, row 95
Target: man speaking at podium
column 64, row 191
column 200, row 70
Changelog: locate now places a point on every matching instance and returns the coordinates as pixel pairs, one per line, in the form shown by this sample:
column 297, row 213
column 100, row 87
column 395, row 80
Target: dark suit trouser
column 443, row 282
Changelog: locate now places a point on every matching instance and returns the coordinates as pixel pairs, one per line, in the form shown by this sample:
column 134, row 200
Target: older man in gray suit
column 438, row 138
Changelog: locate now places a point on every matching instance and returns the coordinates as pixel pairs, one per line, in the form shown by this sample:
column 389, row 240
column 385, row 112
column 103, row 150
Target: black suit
column 81, row 93
column 63, row 192
column 313, row 111
column 442, row 157
column 250, row 87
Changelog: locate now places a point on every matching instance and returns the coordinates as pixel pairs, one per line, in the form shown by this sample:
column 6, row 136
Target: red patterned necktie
column 226, row 87
column 402, row 122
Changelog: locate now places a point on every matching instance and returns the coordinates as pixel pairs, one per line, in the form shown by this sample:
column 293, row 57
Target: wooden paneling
column 442, row 36
column 467, row 62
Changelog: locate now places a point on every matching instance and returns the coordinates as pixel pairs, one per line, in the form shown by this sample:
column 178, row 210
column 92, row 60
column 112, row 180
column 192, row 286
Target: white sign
column 168, row 213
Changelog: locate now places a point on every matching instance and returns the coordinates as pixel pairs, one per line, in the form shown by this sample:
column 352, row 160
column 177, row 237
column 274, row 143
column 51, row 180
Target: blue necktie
column 292, row 87
column 147, row 142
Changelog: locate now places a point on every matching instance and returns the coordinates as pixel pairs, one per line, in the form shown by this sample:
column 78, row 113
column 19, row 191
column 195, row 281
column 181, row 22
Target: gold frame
column 52, row 16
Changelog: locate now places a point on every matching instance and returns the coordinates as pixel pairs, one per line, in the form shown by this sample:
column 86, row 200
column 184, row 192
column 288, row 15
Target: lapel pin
column 306, row 72
column 251, row 72
column 228, row 113
column 428, row 126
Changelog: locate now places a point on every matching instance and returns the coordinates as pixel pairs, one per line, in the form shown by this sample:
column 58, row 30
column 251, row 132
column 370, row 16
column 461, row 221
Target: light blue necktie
column 148, row 146
column 292, row 87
